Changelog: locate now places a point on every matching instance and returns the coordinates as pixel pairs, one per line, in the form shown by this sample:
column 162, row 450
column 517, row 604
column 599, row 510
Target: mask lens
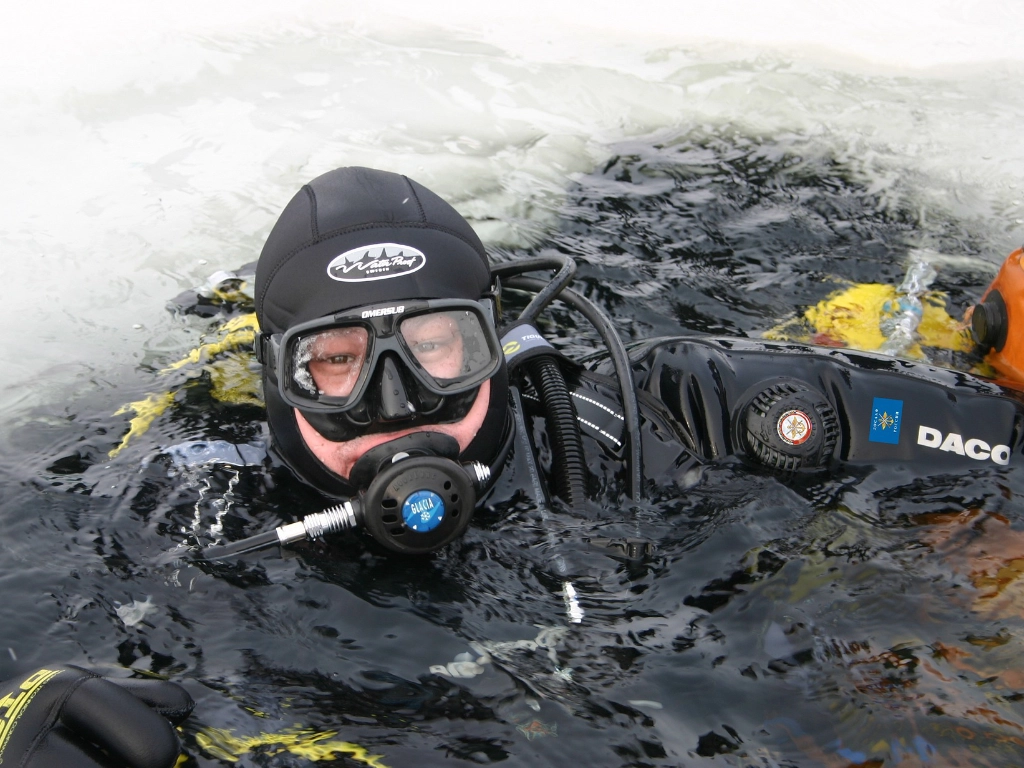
column 449, row 345
column 329, row 362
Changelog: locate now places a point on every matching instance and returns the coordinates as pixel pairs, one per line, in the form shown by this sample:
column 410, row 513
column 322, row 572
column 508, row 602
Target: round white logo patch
column 794, row 427
column 375, row 262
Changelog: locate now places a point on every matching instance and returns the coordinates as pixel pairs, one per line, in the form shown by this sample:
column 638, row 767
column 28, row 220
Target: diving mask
column 361, row 370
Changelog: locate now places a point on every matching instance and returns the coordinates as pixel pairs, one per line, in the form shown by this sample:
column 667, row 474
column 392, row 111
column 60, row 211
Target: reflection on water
column 863, row 618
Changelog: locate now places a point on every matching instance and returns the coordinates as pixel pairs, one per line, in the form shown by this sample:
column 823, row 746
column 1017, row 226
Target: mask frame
column 382, row 322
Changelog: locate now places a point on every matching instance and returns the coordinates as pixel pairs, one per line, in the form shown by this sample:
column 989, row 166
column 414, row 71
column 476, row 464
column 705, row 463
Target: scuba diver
column 395, row 386
column 393, row 383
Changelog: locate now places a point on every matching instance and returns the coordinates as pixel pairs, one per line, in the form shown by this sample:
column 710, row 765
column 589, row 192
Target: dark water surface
column 826, row 621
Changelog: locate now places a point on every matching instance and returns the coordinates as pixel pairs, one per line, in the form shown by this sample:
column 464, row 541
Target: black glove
column 65, row 717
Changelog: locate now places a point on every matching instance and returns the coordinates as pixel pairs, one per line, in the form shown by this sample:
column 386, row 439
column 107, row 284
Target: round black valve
column 788, row 426
column 418, row 505
column 989, row 322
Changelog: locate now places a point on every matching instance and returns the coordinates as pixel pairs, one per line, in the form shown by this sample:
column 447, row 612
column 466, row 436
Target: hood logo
column 375, row 262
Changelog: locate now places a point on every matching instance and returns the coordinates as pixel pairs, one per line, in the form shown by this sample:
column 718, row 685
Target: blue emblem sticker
column 886, row 416
column 423, row 511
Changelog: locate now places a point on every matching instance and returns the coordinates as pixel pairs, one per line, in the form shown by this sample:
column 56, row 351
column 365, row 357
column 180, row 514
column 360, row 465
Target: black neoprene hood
column 297, row 278
column 358, row 236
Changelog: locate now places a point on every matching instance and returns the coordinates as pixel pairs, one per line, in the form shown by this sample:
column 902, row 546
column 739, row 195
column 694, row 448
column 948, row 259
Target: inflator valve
column 989, row 323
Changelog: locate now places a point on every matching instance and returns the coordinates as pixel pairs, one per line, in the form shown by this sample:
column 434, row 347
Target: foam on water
column 147, row 147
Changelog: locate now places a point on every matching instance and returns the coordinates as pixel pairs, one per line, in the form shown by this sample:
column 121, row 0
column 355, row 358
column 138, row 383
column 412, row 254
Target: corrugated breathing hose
column 569, row 464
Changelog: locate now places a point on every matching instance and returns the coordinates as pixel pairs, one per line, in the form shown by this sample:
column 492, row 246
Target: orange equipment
column 997, row 323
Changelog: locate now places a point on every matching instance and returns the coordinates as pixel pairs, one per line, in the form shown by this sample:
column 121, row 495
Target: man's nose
column 394, row 401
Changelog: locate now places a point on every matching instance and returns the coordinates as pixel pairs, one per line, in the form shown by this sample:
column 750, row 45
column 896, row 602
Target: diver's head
column 377, row 319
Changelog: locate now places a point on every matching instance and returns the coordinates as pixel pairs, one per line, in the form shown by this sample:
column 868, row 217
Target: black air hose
column 566, row 270
column 568, row 463
column 557, row 288
column 623, row 371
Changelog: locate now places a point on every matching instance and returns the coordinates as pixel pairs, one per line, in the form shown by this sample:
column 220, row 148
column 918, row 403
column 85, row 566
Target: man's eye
column 338, row 360
column 434, row 346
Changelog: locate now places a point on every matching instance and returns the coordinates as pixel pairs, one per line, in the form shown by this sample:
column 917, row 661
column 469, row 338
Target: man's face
column 337, row 357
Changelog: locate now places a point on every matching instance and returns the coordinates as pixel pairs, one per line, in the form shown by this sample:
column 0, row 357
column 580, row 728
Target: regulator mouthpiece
column 419, row 505
column 416, row 505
